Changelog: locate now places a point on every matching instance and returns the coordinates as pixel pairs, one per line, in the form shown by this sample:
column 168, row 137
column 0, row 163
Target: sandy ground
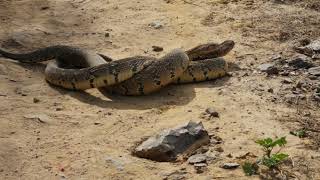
column 85, row 135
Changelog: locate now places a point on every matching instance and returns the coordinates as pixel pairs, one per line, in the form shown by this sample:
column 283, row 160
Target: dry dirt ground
column 85, row 135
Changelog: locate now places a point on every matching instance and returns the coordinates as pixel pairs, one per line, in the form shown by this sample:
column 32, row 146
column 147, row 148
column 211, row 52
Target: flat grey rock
column 118, row 162
column 197, row 158
column 312, row 49
column 230, row 165
column 265, row 67
column 168, row 144
column 301, row 61
column 314, row 71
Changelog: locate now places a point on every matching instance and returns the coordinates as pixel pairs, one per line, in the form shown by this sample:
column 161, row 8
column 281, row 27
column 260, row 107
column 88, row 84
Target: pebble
column 156, row 24
column 197, row 158
column 315, row 71
column 118, row 162
column 36, row 100
column 200, row 167
column 59, row 109
column 300, row 61
column 230, row 165
column 270, row 90
column 287, row 81
column 42, row 118
column 265, row 67
column 157, row 48
column 212, row 112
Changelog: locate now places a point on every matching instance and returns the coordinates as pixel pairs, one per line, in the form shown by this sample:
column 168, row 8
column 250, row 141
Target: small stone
column 156, row 24
column 290, row 98
column 284, row 73
column 275, row 57
column 229, row 155
column 265, row 67
column 42, row 118
column 311, row 48
column 219, row 149
column 200, row 167
column 97, row 123
column 197, row 158
column 174, row 175
column 300, row 61
column 270, row 90
column 230, row 165
column 59, row 108
column 157, row 48
column 312, row 77
column 287, row 81
column 272, row 71
column 212, row 112
column 315, row 71
column 36, row 100
column 45, row 8
column 117, row 162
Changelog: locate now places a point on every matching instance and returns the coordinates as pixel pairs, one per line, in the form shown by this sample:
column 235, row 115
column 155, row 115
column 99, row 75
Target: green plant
column 269, row 159
column 300, row 133
column 250, row 168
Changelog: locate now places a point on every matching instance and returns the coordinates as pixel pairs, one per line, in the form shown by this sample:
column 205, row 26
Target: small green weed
column 269, row 159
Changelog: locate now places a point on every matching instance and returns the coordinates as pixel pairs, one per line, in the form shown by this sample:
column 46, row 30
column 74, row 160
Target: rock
column 42, row 118
column 174, row 175
column 269, row 68
column 292, row 98
column 272, row 70
column 157, row 48
column 311, row 49
column 200, row 167
column 312, row 77
column 230, row 165
column 315, row 71
column 284, row 73
column 212, row 113
column 265, row 67
column 36, row 100
column 44, row 8
column 276, row 57
column 287, row 81
column 59, row 108
column 171, row 142
column 197, row 158
column 118, row 162
column 156, row 24
column 316, row 97
column 270, row 90
column 300, row 61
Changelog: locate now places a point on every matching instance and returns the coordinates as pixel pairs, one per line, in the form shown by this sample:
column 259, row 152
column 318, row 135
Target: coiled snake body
column 79, row 69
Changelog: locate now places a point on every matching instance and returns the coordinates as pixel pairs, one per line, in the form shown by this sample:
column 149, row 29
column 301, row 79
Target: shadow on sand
column 177, row 95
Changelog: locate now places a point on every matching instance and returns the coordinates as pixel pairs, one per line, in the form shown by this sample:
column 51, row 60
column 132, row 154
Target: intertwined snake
column 80, row 69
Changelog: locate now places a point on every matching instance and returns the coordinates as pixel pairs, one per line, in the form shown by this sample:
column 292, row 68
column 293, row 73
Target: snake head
column 210, row 50
column 226, row 47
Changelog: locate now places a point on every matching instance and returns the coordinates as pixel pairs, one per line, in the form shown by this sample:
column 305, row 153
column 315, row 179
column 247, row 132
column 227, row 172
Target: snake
column 79, row 69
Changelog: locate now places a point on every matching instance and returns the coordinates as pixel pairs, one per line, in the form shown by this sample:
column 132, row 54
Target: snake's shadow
column 173, row 95
column 170, row 95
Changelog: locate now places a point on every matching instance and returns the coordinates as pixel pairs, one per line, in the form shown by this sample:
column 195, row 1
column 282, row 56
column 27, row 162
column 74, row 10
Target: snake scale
column 80, row 69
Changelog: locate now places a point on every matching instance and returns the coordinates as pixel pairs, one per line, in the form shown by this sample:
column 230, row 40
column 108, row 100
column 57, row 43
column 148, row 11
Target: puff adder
column 79, row 69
